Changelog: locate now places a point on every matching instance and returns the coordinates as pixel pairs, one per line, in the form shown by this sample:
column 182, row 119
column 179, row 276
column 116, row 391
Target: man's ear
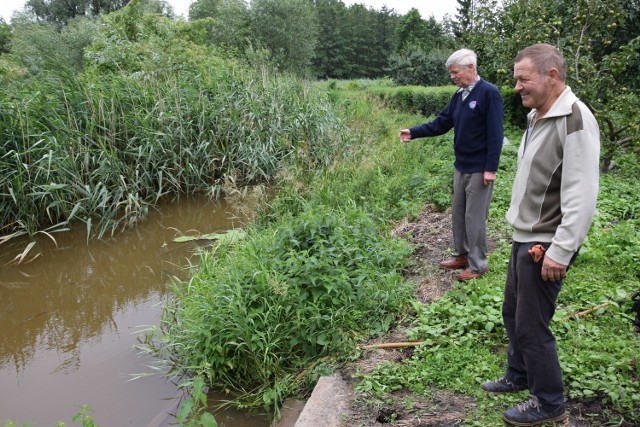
column 553, row 73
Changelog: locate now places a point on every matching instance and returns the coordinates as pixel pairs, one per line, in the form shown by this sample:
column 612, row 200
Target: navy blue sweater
column 477, row 123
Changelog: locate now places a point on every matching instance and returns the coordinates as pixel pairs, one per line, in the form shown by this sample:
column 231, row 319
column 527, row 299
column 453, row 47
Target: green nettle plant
column 258, row 313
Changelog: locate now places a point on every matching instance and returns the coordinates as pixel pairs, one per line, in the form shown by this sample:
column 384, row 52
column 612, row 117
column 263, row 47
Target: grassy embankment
column 318, row 273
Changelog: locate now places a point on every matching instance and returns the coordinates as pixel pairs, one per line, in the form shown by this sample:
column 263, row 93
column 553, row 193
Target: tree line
column 325, row 39
column 318, row 39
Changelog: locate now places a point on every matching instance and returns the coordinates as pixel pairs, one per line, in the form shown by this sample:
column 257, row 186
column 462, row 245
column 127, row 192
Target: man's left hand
column 553, row 271
column 489, row 177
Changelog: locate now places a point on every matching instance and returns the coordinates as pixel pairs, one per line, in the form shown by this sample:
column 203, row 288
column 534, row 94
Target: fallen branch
column 394, row 344
column 589, row 311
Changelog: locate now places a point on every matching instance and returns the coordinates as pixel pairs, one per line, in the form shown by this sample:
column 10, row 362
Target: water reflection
column 70, row 319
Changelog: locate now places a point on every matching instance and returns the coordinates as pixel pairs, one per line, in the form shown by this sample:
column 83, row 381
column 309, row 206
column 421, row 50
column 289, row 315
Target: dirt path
column 431, row 237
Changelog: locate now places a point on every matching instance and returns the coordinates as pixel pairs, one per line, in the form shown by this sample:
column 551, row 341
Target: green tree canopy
column 201, row 9
column 5, row 37
column 464, row 22
column 288, row 29
column 35, row 44
column 600, row 58
column 332, row 54
column 413, row 31
column 422, row 49
column 60, row 12
column 229, row 21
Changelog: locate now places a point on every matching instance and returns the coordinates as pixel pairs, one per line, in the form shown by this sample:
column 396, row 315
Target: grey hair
column 544, row 57
column 463, row 57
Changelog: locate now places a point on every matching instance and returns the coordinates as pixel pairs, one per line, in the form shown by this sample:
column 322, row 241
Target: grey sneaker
column 530, row 413
column 502, row 385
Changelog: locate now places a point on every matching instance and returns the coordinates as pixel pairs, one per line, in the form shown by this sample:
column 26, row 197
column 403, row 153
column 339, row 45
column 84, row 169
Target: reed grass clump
column 103, row 150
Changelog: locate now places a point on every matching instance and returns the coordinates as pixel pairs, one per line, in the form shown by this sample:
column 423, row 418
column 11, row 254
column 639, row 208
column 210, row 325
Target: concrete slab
column 330, row 401
column 289, row 413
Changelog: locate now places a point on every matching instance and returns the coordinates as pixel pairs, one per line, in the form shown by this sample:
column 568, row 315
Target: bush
column 515, row 114
column 34, row 45
column 431, row 100
column 415, row 99
column 255, row 315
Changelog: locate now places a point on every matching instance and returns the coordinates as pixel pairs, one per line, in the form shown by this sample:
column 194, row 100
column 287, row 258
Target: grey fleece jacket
column 556, row 186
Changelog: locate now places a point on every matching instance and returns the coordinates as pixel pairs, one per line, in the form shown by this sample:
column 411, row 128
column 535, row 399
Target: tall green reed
column 102, row 150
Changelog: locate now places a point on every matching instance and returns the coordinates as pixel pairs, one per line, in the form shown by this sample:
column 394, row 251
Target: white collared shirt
column 465, row 90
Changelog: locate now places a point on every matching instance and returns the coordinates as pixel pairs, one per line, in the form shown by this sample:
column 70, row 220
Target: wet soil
column 430, row 234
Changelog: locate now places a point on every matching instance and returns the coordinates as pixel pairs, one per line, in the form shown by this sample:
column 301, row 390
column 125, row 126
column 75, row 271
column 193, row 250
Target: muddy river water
column 69, row 321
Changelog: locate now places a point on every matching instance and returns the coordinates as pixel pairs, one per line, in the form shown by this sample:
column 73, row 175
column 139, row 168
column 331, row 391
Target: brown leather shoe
column 467, row 275
column 455, row 263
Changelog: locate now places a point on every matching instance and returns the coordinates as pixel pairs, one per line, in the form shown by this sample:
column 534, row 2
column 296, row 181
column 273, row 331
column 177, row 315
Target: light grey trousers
column 469, row 213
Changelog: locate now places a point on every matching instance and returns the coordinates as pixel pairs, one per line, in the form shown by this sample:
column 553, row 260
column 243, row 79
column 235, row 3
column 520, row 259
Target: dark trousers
column 529, row 305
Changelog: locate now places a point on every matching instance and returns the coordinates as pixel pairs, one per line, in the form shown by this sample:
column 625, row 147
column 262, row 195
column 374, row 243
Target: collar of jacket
column 562, row 106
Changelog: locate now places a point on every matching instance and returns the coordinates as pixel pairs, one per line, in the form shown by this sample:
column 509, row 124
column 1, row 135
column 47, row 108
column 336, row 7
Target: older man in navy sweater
column 475, row 113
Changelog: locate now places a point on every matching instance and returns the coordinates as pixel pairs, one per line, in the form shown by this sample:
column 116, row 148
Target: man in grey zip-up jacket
column 552, row 205
column 555, row 190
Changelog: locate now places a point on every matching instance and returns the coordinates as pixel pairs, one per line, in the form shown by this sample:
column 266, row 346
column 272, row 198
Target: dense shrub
column 420, row 67
column 515, row 114
column 431, row 100
column 255, row 315
column 415, row 99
